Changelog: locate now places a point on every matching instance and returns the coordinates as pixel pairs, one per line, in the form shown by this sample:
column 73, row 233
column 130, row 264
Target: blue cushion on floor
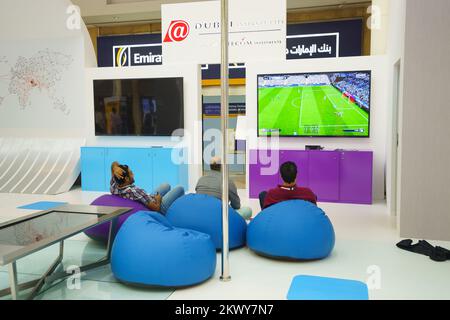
column 204, row 213
column 149, row 251
column 294, row 229
column 42, row 205
column 319, row 288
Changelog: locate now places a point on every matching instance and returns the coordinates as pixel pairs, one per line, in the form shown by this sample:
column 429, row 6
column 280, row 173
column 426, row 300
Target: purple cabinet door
column 324, row 175
column 301, row 159
column 263, row 171
column 356, row 177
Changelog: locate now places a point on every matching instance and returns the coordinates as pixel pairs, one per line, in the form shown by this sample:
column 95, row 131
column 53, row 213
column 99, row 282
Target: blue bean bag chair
column 292, row 230
column 149, row 251
column 204, row 213
column 101, row 232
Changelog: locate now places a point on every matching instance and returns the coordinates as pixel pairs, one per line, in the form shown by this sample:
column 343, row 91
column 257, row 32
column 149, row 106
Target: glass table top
column 23, row 236
column 42, row 227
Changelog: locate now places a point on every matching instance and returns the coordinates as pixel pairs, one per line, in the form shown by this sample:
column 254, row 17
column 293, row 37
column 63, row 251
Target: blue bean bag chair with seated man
column 204, row 213
column 292, row 230
column 149, row 251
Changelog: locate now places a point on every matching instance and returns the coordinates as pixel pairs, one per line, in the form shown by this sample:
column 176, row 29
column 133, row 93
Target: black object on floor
column 438, row 254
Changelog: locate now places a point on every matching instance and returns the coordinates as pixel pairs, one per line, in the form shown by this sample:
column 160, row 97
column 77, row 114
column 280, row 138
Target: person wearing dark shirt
column 288, row 190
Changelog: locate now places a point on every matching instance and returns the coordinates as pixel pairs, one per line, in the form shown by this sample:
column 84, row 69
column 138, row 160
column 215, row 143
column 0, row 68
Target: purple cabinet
column 356, row 177
column 335, row 176
column 263, row 171
column 324, row 175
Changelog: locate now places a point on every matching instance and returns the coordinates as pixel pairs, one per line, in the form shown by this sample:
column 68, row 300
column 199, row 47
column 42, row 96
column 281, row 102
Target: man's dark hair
column 288, row 172
column 125, row 175
column 215, row 166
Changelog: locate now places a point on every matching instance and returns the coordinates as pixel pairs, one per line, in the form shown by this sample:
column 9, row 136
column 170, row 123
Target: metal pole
column 13, row 283
column 224, row 124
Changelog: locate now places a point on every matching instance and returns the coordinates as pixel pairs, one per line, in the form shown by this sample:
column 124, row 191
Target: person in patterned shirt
column 122, row 185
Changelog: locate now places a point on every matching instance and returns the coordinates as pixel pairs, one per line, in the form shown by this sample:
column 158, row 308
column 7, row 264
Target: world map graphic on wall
column 41, row 72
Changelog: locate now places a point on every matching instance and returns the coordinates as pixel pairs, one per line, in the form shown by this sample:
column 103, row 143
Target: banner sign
column 254, row 35
column 324, row 39
column 213, row 109
column 212, row 71
column 145, row 50
column 313, row 46
column 130, row 50
column 137, row 55
column 304, row 41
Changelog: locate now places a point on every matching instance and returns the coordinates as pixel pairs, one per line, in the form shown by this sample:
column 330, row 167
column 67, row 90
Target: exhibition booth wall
column 42, row 98
column 380, row 100
column 52, row 54
column 376, row 143
column 192, row 139
column 424, row 150
column 396, row 53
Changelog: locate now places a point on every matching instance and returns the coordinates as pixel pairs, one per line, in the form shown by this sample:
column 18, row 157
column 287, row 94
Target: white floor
column 365, row 248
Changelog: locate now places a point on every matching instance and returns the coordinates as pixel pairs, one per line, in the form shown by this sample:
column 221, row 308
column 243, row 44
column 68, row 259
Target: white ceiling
column 127, row 11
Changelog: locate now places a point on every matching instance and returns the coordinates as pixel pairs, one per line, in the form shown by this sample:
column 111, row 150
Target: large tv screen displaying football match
column 331, row 104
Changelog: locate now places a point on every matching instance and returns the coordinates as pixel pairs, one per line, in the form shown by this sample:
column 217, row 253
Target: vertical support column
column 224, row 124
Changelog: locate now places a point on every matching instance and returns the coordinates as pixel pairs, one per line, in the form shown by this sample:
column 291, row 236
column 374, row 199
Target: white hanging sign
column 191, row 31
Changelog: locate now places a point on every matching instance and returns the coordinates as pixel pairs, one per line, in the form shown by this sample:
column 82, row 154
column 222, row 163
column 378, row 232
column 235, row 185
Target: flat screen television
column 138, row 107
column 330, row 104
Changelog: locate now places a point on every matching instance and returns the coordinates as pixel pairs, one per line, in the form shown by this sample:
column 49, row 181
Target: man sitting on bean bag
column 122, row 185
column 288, row 190
column 211, row 184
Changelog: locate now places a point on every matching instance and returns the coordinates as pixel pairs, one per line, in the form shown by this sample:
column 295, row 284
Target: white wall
column 395, row 52
column 192, row 111
column 27, row 28
column 425, row 148
column 42, row 96
column 380, row 98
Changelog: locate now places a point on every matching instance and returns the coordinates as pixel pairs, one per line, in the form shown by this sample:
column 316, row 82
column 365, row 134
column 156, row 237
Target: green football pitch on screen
column 310, row 111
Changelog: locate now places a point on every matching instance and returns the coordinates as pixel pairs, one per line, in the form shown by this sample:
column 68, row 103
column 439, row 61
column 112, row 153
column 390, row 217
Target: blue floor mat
column 318, row 288
column 42, row 205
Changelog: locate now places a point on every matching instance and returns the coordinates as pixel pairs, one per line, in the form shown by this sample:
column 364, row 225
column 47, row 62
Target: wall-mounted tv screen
column 138, row 107
column 331, row 104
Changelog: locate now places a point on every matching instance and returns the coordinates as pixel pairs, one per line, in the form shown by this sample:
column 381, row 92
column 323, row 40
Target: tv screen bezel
column 314, row 73
column 143, row 135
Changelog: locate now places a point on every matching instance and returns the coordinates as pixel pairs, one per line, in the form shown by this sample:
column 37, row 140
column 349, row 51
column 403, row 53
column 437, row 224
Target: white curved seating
column 38, row 165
